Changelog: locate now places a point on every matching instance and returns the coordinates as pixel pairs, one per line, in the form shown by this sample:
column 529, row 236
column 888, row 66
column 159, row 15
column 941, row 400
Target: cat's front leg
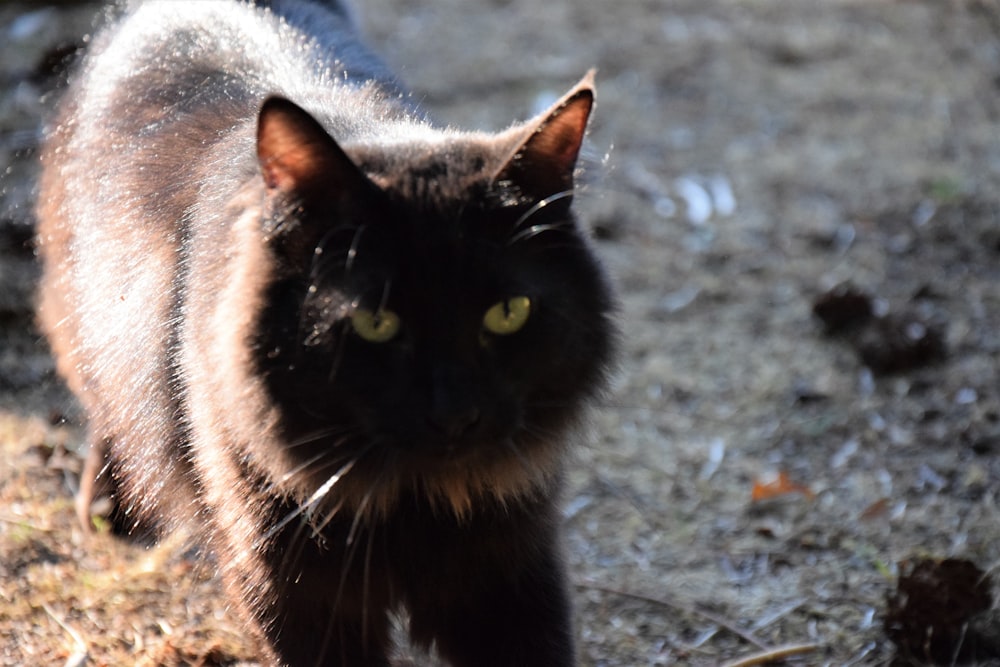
column 521, row 622
column 309, row 603
column 312, row 640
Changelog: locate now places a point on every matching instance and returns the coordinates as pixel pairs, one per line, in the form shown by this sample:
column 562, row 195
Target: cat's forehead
column 429, row 172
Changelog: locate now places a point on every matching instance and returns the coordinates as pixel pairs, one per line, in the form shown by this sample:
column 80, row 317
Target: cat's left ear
column 543, row 164
column 301, row 163
column 296, row 154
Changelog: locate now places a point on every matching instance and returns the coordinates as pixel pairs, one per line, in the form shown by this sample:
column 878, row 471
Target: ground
column 752, row 481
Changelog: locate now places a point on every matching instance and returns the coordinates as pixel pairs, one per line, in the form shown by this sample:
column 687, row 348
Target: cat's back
column 166, row 64
column 163, row 109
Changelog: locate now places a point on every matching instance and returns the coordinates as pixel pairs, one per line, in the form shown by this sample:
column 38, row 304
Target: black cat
column 348, row 345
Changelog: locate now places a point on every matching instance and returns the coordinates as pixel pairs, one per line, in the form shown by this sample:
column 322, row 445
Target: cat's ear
column 296, row 154
column 543, row 164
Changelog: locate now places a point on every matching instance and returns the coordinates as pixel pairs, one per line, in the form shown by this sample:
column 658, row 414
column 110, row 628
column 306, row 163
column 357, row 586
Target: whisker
column 338, row 352
column 293, row 555
column 320, row 270
column 317, row 496
column 328, row 517
column 542, row 204
column 325, row 487
column 538, row 229
column 535, row 230
column 299, row 468
column 318, row 259
column 320, row 455
column 366, row 587
column 385, row 294
column 319, row 434
column 352, row 547
column 361, row 510
column 320, row 312
column 352, row 252
column 333, row 512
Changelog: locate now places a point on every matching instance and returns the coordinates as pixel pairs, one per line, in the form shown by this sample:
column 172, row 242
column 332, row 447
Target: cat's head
column 436, row 319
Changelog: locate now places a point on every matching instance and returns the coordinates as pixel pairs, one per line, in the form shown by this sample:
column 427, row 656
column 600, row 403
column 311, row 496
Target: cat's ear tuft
column 543, row 164
column 296, row 153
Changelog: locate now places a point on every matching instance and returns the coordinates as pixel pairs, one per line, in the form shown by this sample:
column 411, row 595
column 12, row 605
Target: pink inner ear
column 543, row 164
column 558, row 141
column 284, row 153
column 292, row 148
column 296, row 153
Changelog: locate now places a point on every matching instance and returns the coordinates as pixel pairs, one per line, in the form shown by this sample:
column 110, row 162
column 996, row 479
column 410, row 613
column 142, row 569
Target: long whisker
column 326, row 312
column 299, row 468
column 319, row 434
column 326, row 486
column 319, row 260
column 366, row 587
column 319, row 267
column 542, row 204
column 352, row 253
column 293, row 555
column 535, row 230
column 385, row 294
column 338, row 352
column 317, row 496
column 333, row 513
column 321, row 270
column 352, row 547
column 361, row 510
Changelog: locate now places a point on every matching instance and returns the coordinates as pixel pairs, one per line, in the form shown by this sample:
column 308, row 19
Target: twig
column 779, row 653
column 762, row 623
column 80, row 656
column 718, row 620
column 24, row 523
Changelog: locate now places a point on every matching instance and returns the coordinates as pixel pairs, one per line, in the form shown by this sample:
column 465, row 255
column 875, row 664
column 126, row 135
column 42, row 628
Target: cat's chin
column 450, row 476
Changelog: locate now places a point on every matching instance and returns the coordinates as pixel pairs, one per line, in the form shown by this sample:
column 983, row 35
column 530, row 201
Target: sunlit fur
column 224, row 187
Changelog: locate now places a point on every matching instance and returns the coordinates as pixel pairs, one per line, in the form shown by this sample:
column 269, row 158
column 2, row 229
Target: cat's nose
column 454, row 423
column 453, row 409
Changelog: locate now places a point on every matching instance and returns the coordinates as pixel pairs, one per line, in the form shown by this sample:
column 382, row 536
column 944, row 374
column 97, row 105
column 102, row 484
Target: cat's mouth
column 490, row 457
column 448, row 473
column 454, row 473
column 450, row 451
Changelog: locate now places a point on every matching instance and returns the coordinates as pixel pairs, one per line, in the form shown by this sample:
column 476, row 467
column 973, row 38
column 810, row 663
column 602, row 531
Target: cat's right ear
column 297, row 155
column 543, row 164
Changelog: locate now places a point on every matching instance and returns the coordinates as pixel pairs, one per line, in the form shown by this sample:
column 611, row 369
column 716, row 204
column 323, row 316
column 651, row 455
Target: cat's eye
column 507, row 316
column 379, row 326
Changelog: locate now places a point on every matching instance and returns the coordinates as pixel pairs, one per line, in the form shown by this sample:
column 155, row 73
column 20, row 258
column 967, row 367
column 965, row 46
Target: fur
column 225, row 187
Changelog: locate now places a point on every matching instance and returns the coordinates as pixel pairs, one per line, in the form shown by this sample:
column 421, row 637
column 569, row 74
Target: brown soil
column 859, row 141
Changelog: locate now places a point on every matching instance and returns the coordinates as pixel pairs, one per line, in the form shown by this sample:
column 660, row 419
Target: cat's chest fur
column 351, row 346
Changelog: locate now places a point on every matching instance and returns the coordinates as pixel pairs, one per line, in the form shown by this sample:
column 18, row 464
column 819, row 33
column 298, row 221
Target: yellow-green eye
column 379, row 326
column 507, row 316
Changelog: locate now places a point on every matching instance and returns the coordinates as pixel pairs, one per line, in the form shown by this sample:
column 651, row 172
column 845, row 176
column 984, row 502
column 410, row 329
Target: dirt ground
column 752, row 482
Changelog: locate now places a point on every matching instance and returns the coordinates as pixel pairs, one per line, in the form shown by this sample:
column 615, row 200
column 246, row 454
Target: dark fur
column 205, row 243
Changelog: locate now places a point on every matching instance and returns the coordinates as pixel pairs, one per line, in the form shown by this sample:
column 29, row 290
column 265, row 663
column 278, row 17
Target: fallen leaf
column 781, row 485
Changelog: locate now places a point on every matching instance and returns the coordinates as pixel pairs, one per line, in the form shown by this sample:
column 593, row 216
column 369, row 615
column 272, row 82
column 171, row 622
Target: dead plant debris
column 886, row 342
